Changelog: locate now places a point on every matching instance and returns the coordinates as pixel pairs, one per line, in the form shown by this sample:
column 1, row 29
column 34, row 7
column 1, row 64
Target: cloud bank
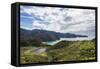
column 60, row 19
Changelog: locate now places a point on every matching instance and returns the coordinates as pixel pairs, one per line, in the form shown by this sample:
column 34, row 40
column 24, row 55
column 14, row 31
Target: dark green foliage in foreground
column 35, row 42
column 62, row 51
column 24, row 43
column 31, row 42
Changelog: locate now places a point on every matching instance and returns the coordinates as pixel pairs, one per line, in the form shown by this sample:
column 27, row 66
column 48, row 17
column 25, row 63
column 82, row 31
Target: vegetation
column 31, row 42
column 62, row 51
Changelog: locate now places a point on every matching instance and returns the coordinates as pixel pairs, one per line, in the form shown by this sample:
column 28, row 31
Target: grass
column 62, row 51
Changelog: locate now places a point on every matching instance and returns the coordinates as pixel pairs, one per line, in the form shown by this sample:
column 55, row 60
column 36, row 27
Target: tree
column 24, row 43
column 35, row 42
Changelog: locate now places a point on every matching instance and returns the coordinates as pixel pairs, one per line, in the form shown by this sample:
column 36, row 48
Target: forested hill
column 45, row 35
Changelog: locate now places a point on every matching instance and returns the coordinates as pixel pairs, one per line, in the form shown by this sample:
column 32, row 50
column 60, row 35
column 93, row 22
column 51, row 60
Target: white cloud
column 38, row 25
column 62, row 20
column 26, row 28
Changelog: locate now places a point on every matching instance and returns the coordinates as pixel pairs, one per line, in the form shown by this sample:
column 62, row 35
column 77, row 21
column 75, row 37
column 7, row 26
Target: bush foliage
column 62, row 51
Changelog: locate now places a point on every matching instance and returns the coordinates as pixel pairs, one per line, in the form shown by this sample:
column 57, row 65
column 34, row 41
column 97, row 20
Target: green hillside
column 62, row 51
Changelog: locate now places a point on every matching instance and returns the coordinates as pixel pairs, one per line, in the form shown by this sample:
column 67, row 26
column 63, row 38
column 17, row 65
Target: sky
column 64, row 20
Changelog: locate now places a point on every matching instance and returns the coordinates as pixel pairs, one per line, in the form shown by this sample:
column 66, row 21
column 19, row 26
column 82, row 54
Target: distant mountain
column 39, row 34
column 45, row 35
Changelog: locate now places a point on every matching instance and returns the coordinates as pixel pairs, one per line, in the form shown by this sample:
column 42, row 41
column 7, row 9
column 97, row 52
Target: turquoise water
column 52, row 42
column 67, row 39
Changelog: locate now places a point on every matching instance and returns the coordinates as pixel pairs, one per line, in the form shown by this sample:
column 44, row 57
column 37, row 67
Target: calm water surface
column 68, row 39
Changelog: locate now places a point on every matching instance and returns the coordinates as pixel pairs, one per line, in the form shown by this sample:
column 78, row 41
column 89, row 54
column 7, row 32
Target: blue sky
column 64, row 20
